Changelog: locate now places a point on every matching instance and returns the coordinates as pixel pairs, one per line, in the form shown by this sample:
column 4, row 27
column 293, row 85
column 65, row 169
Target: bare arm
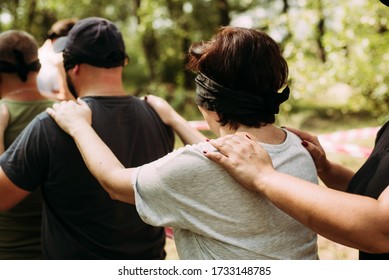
column 333, row 175
column 75, row 119
column 10, row 194
column 352, row 220
column 169, row 116
column 4, row 119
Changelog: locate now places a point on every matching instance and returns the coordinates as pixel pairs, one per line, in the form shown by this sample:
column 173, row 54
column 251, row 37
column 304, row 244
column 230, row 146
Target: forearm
column 2, row 146
column 170, row 117
column 3, row 128
column 104, row 165
column 187, row 133
column 336, row 176
column 352, row 220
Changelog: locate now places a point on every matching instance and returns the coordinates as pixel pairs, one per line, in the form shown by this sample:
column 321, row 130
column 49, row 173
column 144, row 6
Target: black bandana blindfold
column 21, row 67
column 214, row 97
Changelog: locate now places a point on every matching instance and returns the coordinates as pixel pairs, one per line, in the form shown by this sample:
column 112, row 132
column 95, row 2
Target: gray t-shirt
column 213, row 217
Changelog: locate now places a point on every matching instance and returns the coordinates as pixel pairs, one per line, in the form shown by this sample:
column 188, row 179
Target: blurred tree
column 326, row 43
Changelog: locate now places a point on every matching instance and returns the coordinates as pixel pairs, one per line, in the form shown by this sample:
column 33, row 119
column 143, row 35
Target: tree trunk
column 149, row 43
column 320, row 33
column 224, row 12
column 31, row 15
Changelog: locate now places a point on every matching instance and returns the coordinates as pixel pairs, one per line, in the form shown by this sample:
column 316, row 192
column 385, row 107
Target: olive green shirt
column 20, row 227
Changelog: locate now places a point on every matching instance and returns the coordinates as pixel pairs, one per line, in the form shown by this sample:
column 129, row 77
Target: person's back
column 80, row 220
column 20, row 227
column 216, row 218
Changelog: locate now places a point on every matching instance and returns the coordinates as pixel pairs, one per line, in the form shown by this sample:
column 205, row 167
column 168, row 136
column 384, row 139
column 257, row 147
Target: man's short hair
column 61, row 28
column 20, row 41
column 18, row 53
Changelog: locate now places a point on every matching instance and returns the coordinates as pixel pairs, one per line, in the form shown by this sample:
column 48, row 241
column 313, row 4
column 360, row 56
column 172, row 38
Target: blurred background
column 337, row 51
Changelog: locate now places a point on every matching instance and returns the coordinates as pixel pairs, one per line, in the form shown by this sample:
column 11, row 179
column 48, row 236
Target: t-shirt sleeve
column 26, row 161
column 152, row 202
column 171, row 190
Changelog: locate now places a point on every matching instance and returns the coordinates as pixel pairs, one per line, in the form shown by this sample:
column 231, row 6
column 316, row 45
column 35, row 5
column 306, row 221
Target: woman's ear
column 1, row 82
column 76, row 69
column 209, row 114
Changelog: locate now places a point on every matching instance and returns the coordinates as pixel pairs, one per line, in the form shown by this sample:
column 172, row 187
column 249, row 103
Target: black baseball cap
column 95, row 41
column 385, row 2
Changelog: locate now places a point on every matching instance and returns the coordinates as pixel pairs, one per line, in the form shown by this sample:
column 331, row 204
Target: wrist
column 78, row 130
column 263, row 180
column 175, row 120
column 325, row 169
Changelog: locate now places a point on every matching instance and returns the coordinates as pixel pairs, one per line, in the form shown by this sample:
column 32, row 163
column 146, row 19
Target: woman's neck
column 269, row 134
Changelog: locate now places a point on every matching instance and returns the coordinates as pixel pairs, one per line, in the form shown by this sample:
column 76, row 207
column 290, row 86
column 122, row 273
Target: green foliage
column 338, row 52
column 356, row 44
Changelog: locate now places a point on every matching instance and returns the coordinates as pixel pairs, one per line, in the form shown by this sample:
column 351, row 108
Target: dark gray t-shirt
column 80, row 220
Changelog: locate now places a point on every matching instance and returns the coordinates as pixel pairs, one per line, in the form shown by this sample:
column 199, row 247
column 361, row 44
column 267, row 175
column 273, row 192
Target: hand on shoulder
column 71, row 115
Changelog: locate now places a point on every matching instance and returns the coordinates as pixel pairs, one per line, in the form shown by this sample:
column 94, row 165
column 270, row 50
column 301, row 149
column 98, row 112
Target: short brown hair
column 18, row 40
column 61, row 28
column 241, row 59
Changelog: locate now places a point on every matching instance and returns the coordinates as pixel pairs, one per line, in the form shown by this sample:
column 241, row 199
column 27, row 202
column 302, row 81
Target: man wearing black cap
column 80, row 220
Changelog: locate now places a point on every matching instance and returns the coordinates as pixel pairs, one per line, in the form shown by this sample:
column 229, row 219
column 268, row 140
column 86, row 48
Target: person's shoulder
column 41, row 124
column 138, row 101
column 290, row 148
column 43, row 119
column 191, row 156
column 383, row 130
column 118, row 100
column 292, row 138
column 188, row 151
column 185, row 163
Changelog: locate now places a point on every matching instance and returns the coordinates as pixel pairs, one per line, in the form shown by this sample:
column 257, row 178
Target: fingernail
column 248, row 137
column 207, row 139
column 204, row 152
column 146, row 97
column 304, row 143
